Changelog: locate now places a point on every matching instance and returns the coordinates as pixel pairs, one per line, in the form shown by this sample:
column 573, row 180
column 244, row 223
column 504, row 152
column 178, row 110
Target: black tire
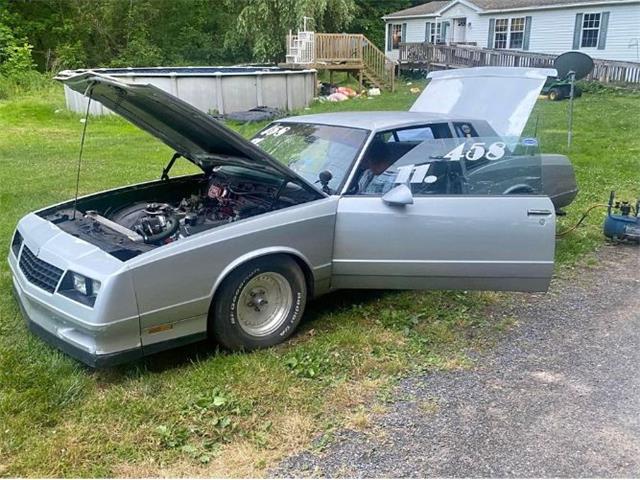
column 225, row 314
column 555, row 94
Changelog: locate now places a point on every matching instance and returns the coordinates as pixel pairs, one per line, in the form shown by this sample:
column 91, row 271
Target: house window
column 396, row 36
column 516, row 33
column 509, row 33
column 590, row 30
column 435, row 33
column 502, row 33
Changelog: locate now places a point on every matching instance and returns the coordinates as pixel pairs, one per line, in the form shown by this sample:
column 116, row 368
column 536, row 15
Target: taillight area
column 16, row 243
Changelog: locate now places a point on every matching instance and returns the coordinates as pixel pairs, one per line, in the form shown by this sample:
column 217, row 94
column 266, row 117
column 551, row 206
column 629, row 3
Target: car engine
column 132, row 220
column 220, row 201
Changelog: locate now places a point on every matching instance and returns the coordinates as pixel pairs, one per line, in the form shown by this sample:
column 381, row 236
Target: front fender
column 261, row 253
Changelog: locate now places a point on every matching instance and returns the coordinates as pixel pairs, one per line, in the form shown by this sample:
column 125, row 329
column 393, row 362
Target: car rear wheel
column 260, row 304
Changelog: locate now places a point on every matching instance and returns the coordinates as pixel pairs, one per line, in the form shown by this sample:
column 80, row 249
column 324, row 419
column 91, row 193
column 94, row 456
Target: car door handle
column 539, row 213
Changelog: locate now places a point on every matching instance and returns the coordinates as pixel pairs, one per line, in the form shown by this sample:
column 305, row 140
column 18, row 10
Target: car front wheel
column 260, row 304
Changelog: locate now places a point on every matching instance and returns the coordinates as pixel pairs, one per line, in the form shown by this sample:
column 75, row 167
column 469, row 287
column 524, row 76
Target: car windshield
column 309, row 149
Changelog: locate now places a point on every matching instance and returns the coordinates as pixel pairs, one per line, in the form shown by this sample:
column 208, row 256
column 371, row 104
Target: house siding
column 459, row 10
column 551, row 30
column 415, row 33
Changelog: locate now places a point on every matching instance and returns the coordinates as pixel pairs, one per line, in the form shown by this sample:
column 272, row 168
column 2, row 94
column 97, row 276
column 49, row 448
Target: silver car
column 446, row 199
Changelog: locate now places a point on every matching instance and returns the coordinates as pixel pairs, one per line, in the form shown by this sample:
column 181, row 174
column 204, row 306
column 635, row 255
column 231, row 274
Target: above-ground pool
column 215, row 89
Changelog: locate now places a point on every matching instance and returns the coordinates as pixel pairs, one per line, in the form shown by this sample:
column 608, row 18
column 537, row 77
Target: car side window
column 419, row 134
column 452, row 166
column 375, row 175
column 464, row 130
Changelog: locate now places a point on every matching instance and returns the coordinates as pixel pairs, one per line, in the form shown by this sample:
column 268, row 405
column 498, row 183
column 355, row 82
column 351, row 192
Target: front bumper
column 76, row 329
column 105, row 334
column 81, row 353
column 91, row 359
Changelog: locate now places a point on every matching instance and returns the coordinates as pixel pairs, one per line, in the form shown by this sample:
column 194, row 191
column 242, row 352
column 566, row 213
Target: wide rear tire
column 259, row 304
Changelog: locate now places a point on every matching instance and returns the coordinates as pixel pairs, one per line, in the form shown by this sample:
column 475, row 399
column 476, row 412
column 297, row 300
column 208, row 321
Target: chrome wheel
column 264, row 304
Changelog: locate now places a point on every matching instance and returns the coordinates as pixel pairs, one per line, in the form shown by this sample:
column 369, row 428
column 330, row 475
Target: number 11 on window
column 419, row 173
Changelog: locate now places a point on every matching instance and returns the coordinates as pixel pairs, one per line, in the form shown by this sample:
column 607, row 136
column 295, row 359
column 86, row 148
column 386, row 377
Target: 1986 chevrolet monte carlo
column 445, row 196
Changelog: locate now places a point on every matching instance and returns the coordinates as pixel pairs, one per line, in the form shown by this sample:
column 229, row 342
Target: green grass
column 196, row 411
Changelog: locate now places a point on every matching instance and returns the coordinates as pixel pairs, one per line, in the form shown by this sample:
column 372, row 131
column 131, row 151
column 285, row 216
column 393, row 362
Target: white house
column 602, row 29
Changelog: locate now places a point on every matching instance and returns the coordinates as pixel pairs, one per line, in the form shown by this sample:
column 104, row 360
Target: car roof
column 373, row 120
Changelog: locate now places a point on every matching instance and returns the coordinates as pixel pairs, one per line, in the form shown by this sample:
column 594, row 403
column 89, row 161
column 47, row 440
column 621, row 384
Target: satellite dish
column 572, row 66
column 579, row 63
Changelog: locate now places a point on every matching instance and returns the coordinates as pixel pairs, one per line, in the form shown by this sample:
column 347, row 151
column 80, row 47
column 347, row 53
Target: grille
column 39, row 272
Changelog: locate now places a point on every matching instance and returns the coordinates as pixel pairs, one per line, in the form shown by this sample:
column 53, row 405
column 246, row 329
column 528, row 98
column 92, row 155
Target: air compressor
column 622, row 223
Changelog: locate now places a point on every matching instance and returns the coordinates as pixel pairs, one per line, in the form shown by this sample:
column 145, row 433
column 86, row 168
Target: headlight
column 16, row 243
column 80, row 288
column 80, row 283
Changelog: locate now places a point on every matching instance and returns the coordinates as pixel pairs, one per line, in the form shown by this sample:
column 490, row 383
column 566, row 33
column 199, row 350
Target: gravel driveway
column 558, row 396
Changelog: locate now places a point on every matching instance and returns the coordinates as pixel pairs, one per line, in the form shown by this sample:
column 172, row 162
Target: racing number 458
column 494, row 151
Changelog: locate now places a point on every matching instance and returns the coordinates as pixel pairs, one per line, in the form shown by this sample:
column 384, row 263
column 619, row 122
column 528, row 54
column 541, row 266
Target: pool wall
column 215, row 89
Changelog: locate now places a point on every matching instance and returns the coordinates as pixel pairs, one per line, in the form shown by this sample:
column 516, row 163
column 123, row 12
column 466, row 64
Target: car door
column 426, row 225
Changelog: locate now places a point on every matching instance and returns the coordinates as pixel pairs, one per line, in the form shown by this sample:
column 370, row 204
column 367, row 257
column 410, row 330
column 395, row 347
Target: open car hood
column 187, row 130
column 503, row 96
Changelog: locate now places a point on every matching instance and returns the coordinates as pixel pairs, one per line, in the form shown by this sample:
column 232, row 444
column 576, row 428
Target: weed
column 308, row 364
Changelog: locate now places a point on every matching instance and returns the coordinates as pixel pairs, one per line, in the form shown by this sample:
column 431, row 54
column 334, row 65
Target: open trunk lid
column 187, row 130
column 503, row 96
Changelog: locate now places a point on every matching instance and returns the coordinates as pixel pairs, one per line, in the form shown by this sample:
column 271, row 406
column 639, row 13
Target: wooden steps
column 344, row 52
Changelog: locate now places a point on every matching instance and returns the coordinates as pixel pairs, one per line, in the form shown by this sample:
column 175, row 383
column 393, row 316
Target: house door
column 459, row 30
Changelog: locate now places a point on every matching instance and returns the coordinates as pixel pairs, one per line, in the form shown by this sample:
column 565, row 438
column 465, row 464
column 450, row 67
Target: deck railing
column 338, row 47
column 377, row 61
column 456, row 56
column 354, row 51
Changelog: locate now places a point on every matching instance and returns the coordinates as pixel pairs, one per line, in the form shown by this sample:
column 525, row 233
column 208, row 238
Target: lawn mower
column 558, row 89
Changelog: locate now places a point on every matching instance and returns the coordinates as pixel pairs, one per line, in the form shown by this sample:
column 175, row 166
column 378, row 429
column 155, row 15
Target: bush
column 15, row 53
column 20, row 84
column 140, row 52
column 69, row 55
column 16, row 59
column 595, row 87
column 17, row 68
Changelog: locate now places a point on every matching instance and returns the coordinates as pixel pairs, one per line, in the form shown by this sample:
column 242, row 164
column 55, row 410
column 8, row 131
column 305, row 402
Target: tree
column 368, row 18
column 136, row 33
column 263, row 25
column 77, row 33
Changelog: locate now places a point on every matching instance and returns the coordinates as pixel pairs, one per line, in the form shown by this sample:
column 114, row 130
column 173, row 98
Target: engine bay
column 221, row 201
column 130, row 221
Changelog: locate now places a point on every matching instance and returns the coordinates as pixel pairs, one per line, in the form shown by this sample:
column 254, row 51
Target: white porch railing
column 301, row 47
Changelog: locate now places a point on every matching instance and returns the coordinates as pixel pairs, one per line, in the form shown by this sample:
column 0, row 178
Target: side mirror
column 398, row 196
column 325, row 177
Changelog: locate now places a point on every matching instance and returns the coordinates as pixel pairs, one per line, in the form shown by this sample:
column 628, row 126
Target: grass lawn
column 195, row 411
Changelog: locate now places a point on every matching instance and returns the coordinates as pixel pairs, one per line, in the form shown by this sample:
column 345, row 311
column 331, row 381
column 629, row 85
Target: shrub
column 17, row 60
column 596, row 87
column 17, row 68
column 19, row 84
column 69, row 55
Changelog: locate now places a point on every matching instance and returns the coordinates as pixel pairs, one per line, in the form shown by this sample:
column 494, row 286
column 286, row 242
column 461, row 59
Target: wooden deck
column 352, row 53
column 434, row 57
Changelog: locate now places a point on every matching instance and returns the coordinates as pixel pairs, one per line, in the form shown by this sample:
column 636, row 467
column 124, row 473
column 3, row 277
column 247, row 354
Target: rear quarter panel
column 559, row 179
